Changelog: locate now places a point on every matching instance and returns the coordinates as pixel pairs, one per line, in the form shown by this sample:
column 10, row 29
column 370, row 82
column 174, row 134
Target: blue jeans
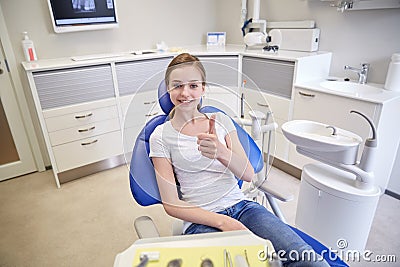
column 265, row 225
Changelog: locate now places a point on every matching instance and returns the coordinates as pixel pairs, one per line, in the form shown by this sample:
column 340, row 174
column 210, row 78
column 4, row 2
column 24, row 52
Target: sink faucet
column 362, row 73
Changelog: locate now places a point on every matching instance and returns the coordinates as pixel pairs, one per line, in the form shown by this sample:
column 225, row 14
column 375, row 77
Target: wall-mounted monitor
column 82, row 15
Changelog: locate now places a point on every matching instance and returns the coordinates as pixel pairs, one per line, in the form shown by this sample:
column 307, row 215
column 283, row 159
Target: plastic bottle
column 28, row 47
column 393, row 74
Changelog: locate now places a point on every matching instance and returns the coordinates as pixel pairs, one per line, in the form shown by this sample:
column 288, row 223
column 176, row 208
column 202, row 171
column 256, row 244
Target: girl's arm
column 183, row 210
column 235, row 158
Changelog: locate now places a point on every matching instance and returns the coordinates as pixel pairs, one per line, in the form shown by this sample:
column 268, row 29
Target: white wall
column 354, row 36
column 142, row 25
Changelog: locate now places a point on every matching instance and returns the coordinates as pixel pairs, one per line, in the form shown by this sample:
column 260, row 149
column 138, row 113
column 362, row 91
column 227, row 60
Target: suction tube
column 368, row 156
column 370, row 142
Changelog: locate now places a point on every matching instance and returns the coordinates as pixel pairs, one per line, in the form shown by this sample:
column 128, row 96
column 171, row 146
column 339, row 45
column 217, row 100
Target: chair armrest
column 145, row 227
column 268, row 188
column 177, row 226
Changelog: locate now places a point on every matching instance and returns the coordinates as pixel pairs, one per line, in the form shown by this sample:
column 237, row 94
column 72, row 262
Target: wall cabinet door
column 59, row 88
column 333, row 110
column 270, row 76
column 141, row 75
column 222, row 71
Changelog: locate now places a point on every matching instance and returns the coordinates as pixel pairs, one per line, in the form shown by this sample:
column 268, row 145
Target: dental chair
column 144, row 186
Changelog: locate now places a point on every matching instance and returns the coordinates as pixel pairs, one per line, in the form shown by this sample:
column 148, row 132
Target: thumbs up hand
column 209, row 145
column 212, row 125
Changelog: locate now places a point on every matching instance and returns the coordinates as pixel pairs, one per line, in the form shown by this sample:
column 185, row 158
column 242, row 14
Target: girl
column 196, row 157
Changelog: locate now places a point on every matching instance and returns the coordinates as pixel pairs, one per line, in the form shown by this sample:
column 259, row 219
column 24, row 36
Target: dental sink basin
column 323, row 141
column 350, row 87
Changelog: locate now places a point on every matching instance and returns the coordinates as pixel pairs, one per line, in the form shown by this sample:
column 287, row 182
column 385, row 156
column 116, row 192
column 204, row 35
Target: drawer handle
column 84, row 116
column 87, row 129
column 152, row 114
column 89, row 143
column 263, row 105
column 149, row 102
column 305, row 94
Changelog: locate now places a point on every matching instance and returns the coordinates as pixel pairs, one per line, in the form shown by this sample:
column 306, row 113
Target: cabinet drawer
column 86, row 151
column 142, row 102
column 264, row 103
column 57, row 88
column 271, row 76
column 83, row 131
column 138, row 109
column 138, row 119
column 334, row 110
column 81, row 118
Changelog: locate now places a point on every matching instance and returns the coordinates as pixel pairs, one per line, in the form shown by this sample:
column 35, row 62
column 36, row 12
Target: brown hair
column 185, row 59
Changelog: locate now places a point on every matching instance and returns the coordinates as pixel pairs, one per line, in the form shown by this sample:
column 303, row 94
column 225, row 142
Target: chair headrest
column 163, row 98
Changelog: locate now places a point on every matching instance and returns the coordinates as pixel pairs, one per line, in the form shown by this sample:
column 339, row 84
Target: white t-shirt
column 204, row 182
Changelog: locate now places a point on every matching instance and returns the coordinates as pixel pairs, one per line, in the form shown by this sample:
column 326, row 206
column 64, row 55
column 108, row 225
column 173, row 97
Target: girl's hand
column 209, row 145
column 230, row 224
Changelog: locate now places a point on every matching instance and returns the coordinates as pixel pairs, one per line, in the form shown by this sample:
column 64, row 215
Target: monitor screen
column 80, row 15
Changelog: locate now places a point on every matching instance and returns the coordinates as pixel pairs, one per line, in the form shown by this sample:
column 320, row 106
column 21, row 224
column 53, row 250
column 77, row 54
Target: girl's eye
column 193, row 85
column 176, row 86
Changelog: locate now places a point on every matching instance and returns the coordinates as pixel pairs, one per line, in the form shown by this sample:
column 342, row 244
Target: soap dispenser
column 28, row 47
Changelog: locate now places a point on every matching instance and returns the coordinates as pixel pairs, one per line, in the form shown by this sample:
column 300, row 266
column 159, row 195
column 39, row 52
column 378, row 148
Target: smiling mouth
column 186, row 101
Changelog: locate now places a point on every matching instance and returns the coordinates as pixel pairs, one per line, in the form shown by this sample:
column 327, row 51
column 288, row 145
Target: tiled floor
column 88, row 221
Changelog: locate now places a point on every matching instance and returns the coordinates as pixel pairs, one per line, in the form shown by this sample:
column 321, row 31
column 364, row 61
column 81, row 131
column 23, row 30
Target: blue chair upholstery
column 142, row 176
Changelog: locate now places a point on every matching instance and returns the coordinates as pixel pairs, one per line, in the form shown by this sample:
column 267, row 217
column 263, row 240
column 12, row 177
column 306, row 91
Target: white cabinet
column 222, row 83
column 137, row 110
column 335, row 110
column 138, row 82
column 78, row 113
column 80, row 138
column 268, row 88
column 279, row 108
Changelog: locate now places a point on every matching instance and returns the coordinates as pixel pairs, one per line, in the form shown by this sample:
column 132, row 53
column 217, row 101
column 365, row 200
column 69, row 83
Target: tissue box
column 306, row 40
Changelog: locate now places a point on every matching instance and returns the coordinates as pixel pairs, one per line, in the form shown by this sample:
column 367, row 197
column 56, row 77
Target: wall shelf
column 347, row 5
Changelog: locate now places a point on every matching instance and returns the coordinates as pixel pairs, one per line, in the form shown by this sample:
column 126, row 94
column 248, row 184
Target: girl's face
column 186, row 87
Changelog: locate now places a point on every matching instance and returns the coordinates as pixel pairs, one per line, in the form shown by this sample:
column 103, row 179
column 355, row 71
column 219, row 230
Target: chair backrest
column 142, row 176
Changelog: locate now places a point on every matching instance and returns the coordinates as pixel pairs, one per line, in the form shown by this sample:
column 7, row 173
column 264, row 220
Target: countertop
column 200, row 50
column 380, row 97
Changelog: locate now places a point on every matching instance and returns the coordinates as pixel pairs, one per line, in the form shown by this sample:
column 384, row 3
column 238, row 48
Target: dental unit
column 337, row 200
